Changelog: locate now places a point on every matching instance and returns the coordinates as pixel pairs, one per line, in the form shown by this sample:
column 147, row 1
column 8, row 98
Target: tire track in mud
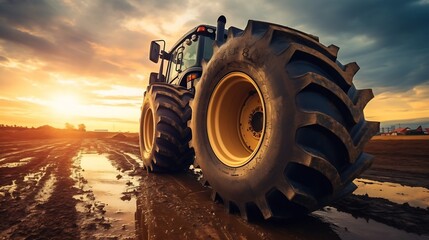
column 124, row 156
column 44, row 195
column 19, row 163
column 33, row 170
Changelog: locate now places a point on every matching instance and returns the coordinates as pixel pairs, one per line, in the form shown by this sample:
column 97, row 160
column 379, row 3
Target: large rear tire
column 282, row 131
column 164, row 134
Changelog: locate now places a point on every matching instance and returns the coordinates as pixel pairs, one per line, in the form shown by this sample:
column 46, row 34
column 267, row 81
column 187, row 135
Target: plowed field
column 96, row 188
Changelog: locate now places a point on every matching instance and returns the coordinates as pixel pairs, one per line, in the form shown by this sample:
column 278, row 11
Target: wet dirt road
column 98, row 189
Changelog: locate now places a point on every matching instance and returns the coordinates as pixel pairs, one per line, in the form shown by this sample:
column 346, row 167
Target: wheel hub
column 235, row 119
column 256, row 122
column 251, row 121
column 148, row 130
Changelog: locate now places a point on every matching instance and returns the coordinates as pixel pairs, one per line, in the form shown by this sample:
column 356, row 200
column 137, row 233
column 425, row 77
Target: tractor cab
column 183, row 61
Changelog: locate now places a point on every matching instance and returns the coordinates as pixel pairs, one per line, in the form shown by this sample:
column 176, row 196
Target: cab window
column 208, row 48
column 181, row 59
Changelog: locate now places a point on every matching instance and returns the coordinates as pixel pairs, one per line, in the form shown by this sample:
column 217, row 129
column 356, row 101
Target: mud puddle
column 108, row 193
column 349, row 227
column 397, row 193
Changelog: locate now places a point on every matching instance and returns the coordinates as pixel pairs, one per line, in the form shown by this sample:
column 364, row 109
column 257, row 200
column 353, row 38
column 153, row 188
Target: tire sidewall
column 148, row 103
column 264, row 169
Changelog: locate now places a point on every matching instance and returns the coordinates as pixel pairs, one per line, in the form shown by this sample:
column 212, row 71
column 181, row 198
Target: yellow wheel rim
column 148, row 130
column 236, row 119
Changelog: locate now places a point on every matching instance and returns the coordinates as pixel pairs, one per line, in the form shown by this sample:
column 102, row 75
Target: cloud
column 26, row 39
column 99, row 48
column 32, row 14
column 70, row 36
column 395, row 44
column 387, row 39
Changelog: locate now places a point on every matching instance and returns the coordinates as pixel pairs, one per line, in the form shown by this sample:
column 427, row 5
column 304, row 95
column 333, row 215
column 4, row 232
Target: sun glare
column 65, row 105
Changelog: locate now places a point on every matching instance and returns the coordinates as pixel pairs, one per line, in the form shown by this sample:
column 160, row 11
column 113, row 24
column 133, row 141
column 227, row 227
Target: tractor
column 270, row 116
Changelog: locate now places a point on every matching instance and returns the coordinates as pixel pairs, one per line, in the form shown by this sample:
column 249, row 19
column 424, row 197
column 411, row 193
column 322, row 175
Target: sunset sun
column 65, row 105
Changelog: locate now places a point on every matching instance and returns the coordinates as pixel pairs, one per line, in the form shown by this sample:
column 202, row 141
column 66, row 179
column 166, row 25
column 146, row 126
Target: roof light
column 201, row 29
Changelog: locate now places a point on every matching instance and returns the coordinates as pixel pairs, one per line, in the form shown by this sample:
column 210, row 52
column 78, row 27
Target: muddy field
column 96, row 188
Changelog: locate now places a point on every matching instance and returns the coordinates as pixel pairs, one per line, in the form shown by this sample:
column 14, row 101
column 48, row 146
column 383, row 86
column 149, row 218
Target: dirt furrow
column 8, row 147
column 28, row 149
column 35, row 167
column 45, row 189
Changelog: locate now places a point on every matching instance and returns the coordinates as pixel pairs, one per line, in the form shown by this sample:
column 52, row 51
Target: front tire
column 164, row 135
column 282, row 130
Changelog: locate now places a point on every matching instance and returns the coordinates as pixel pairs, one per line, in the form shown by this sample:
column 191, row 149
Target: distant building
column 400, row 131
column 101, row 130
column 417, row 131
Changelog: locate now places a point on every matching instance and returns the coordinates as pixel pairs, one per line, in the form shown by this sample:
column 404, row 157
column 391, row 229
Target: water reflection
column 349, row 227
column 112, row 193
column 19, row 163
column 397, row 193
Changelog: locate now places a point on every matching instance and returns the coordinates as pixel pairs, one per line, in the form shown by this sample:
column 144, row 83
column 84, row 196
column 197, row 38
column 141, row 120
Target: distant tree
column 81, row 127
column 70, row 126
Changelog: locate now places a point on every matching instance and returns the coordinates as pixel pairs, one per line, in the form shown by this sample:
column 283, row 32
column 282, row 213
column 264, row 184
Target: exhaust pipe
column 220, row 30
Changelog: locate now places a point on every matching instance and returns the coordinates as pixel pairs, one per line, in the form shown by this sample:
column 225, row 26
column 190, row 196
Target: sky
column 87, row 61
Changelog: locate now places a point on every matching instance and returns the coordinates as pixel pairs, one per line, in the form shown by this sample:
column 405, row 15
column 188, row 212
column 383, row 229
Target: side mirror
column 154, row 52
